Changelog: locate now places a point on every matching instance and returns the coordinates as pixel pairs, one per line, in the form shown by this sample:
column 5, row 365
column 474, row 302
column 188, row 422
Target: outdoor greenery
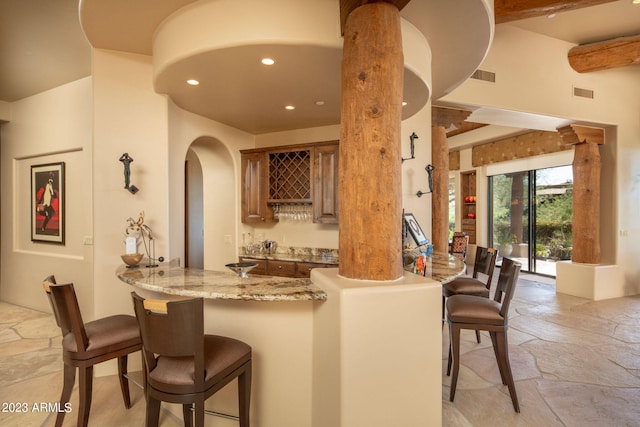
column 554, row 211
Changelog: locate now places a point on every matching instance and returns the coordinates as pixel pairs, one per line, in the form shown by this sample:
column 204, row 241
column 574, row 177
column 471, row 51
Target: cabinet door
column 254, row 188
column 325, row 188
column 304, row 268
column 261, row 267
column 281, row 268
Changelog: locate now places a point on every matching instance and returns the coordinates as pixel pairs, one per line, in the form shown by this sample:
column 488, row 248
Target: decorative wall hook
column 429, row 168
column 126, row 161
column 412, row 146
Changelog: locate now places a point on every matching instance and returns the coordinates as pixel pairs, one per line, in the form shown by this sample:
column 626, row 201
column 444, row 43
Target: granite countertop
column 318, row 259
column 171, row 279
column 440, row 266
column 297, row 254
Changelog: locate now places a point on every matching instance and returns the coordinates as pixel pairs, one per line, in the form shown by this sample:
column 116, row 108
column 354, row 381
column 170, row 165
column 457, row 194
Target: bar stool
column 183, row 365
column 87, row 344
column 484, row 264
column 479, row 313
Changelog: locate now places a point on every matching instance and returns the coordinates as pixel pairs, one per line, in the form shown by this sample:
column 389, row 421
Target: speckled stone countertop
column 298, row 254
column 440, row 266
column 174, row 280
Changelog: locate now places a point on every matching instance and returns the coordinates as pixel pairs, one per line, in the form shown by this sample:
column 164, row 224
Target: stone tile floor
column 575, row 362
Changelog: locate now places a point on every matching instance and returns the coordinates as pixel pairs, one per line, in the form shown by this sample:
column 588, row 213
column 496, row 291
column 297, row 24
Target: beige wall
column 54, row 126
column 533, row 75
column 128, row 117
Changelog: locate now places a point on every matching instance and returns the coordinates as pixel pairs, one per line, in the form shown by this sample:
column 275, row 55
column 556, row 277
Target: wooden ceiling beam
column 606, row 54
column 445, row 117
column 577, row 134
column 347, row 6
column 513, row 10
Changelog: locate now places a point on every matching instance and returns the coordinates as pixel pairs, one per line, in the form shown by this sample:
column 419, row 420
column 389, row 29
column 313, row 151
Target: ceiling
column 42, row 46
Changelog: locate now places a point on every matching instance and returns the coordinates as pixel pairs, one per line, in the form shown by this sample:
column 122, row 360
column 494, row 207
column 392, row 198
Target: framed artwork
column 47, row 203
column 415, row 230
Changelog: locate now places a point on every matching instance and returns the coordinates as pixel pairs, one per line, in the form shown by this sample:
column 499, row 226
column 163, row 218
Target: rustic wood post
column 441, row 119
column 370, row 186
column 586, row 191
column 440, row 196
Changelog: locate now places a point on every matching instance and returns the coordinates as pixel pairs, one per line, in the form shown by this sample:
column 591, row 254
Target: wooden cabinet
column 281, row 268
column 304, row 268
column 272, row 267
column 296, row 174
column 325, row 184
column 261, row 268
column 254, row 188
column 468, row 200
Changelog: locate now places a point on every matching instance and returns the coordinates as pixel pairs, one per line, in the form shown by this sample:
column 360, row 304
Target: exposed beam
column 347, row 6
column 606, row 54
column 577, row 134
column 513, row 10
column 445, row 117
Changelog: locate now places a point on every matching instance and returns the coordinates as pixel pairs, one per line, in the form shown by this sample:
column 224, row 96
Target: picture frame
column 415, row 230
column 48, row 203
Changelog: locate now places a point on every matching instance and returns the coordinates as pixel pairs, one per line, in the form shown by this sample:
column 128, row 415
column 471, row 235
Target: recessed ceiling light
column 289, row 107
column 268, row 61
column 636, row 2
column 319, row 103
column 404, row 103
column 193, row 82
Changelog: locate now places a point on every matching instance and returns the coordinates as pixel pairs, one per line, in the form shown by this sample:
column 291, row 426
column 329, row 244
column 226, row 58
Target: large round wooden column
column 586, row 191
column 441, row 119
column 370, row 187
column 440, row 197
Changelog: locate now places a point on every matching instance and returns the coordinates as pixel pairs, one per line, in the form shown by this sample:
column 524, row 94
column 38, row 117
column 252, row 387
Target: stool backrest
column 171, row 329
column 506, row 284
column 67, row 312
column 485, row 263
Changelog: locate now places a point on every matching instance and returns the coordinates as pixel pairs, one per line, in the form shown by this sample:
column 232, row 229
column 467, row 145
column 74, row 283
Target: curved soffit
column 242, row 95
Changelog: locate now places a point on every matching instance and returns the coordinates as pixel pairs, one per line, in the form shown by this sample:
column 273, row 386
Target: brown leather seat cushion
column 472, row 309
column 120, row 329
column 220, row 353
column 465, row 285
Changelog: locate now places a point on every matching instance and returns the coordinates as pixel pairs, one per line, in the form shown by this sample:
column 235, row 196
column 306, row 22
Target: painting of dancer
column 47, row 198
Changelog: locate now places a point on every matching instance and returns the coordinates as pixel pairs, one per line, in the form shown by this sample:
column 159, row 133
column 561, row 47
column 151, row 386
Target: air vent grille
column 483, row 75
column 584, row 93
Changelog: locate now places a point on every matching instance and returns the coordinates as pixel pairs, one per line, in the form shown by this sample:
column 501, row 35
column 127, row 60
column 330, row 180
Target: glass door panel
column 553, row 217
column 510, row 216
column 516, row 220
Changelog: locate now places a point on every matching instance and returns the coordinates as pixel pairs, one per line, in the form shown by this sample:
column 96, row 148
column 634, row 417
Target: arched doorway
column 210, row 205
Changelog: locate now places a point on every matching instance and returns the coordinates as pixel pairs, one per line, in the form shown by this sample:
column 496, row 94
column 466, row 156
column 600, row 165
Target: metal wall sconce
column 412, row 146
column 429, row 169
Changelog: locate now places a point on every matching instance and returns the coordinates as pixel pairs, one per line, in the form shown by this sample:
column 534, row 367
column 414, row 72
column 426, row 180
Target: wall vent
column 584, row 93
column 486, row 76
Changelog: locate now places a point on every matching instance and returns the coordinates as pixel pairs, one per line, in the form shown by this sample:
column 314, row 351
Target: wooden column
column 370, row 187
column 441, row 119
column 586, row 191
column 440, row 196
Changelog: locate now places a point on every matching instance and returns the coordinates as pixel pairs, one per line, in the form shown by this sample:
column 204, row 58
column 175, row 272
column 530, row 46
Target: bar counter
column 317, row 344
column 171, row 279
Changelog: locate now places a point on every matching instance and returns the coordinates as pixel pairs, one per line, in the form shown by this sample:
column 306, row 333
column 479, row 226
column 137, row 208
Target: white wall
column 54, row 126
column 128, row 117
column 533, row 75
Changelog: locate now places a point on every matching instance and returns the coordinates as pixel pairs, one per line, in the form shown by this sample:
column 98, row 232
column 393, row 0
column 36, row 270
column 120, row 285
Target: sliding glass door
column 530, row 217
